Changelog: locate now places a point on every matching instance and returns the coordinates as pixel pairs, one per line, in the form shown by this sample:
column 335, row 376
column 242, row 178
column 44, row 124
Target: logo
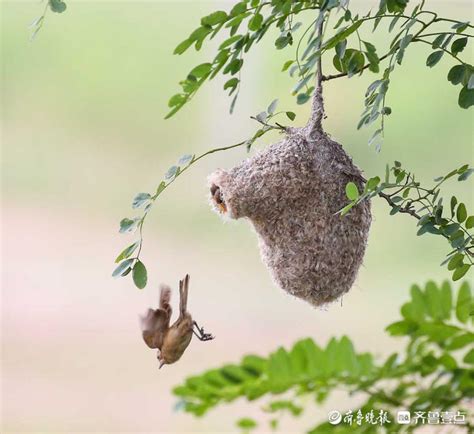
column 334, row 417
column 403, row 417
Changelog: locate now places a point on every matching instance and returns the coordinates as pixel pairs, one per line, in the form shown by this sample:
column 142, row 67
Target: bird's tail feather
column 183, row 295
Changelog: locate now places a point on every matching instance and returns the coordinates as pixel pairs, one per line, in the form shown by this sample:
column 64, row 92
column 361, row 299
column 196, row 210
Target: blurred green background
column 83, row 131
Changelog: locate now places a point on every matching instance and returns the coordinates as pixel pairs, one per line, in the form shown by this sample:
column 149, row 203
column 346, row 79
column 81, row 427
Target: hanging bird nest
column 291, row 192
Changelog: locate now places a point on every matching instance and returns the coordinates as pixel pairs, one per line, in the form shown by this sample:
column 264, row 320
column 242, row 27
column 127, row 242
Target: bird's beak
column 161, row 364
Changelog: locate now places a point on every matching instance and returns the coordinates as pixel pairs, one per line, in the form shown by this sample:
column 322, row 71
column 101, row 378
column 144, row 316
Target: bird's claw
column 206, row 337
column 202, row 335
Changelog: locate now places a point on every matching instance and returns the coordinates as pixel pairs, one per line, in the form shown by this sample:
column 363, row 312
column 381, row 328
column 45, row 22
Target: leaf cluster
column 435, row 370
column 249, row 21
column 126, row 262
column 435, row 215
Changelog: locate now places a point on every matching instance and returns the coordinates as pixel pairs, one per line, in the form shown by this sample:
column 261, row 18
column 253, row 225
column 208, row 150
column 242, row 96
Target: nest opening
column 217, row 199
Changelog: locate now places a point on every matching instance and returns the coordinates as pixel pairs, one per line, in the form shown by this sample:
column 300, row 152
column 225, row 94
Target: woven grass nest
column 291, row 193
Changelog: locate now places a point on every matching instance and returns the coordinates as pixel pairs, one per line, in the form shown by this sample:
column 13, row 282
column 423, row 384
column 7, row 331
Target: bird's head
column 162, row 361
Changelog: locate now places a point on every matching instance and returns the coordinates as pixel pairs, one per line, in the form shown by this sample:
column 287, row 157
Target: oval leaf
column 352, row 192
column 434, row 58
column 127, row 252
column 123, row 268
column 139, row 275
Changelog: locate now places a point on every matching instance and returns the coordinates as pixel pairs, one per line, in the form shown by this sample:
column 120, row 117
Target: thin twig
column 317, row 107
column 406, row 209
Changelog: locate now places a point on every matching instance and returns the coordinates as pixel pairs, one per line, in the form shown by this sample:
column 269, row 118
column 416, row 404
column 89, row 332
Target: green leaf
column 177, row 100
column 172, row 172
column 465, row 175
column 246, row 423
column 160, row 188
column 232, row 83
column 469, row 357
column 463, row 305
column 456, row 74
column 458, row 45
column 234, row 66
column 466, row 98
column 286, row 65
column 57, row 6
column 294, row 409
column 302, row 98
column 125, row 253
column 230, row 41
column 214, row 18
column 128, row 225
column 140, row 199
column 439, row 40
column 255, row 22
column 291, row 116
column 460, row 341
column 470, row 222
column 282, row 41
column 262, row 117
column 434, row 58
column 446, row 300
column 448, row 361
column 139, row 275
column 347, row 356
column 461, row 213
column 372, row 183
column 437, row 332
column 455, row 261
column 279, row 372
column 454, row 202
column 199, row 35
column 272, row 107
column 239, row 8
column 182, row 47
column 352, row 62
column 395, row 6
column 123, row 268
column 332, row 42
column 400, row 328
column 418, row 302
column 433, row 300
column 186, row 159
column 404, row 42
column 460, row 27
column 457, row 239
column 352, row 192
column 201, row 70
column 451, row 229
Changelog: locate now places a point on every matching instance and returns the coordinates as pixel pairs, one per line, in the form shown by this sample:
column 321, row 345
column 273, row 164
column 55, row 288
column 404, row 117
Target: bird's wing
column 183, row 296
column 155, row 323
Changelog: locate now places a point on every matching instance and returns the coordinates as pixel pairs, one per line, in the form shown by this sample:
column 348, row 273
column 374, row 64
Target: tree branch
column 407, row 209
column 314, row 124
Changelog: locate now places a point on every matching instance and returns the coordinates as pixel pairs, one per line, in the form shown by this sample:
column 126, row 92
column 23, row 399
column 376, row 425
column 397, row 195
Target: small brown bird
column 171, row 342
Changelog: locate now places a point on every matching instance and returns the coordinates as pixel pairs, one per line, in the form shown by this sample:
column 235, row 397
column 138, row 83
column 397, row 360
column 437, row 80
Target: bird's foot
column 201, row 334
